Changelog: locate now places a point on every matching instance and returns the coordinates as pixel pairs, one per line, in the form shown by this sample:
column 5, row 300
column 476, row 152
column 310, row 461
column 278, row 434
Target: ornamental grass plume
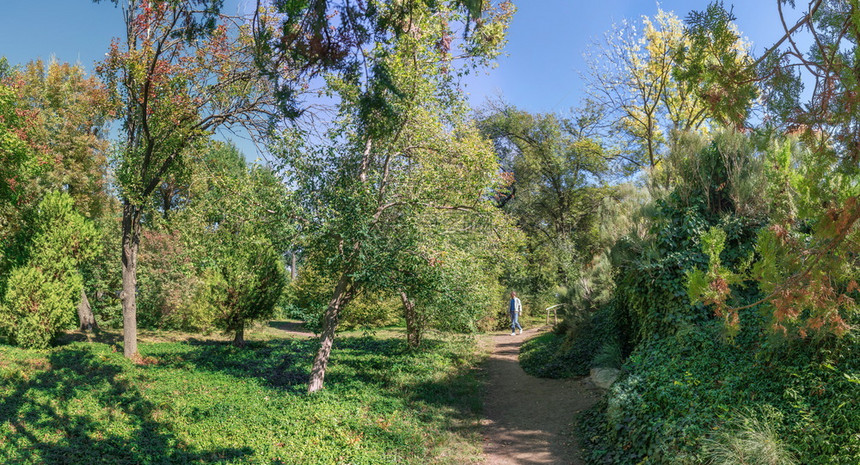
column 750, row 439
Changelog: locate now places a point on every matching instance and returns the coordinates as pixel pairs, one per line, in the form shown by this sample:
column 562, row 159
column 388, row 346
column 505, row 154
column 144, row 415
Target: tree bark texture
column 294, row 263
column 85, row 314
column 341, row 296
column 128, row 296
column 413, row 325
column 239, row 339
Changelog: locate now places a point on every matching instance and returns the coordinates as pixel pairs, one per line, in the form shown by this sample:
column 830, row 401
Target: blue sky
column 540, row 72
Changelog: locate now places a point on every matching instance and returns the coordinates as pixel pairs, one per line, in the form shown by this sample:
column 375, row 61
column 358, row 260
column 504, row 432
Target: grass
column 552, row 356
column 196, row 401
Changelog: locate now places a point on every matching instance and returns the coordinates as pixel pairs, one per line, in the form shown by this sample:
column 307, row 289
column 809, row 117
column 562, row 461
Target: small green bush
column 246, row 284
column 41, row 294
column 38, row 306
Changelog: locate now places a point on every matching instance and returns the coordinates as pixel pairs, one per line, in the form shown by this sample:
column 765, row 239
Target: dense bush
column 556, row 355
column 41, row 294
column 246, row 284
column 697, row 390
column 686, row 388
column 168, row 280
column 306, row 299
column 38, row 306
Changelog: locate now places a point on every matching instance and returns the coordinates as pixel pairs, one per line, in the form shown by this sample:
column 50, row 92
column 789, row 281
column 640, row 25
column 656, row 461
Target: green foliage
column 209, row 258
column 38, row 306
column 685, row 391
column 41, row 293
column 753, row 438
column 396, row 193
column 208, row 402
column 102, row 278
column 713, row 64
column 18, row 165
column 310, row 294
column 712, row 287
column 167, row 280
column 652, row 280
column 17, row 160
column 68, row 122
column 369, row 311
column 609, row 355
column 725, row 171
column 51, row 139
column 570, row 352
column 802, row 296
column 553, row 167
column 248, row 284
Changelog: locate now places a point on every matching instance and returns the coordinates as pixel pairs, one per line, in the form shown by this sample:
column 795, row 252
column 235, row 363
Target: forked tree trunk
column 341, row 296
column 413, row 324
column 85, row 314
column 128, row 296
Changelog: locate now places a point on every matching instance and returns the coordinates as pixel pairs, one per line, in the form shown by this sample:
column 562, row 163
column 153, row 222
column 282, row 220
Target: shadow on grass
column 285, row 363
column 49, row 417
column 356, row 363
column 290, row 326
column 106, row 337
column 281, row 363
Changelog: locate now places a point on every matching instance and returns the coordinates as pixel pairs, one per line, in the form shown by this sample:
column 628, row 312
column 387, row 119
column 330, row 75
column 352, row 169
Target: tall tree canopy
column 556, row 166
column 633, row 74
column 183, row 71
column 401, row 149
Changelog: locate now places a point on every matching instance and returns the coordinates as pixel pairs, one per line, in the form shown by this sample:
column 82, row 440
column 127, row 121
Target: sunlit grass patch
column 206, row 401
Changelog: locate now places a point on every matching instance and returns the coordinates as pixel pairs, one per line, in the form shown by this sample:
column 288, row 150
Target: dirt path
column 530, row 420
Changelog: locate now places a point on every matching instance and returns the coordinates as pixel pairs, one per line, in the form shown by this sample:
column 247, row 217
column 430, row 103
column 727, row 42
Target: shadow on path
column 528, row 420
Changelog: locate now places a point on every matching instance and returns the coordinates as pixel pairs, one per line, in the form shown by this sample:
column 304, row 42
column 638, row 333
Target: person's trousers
column 515, row 322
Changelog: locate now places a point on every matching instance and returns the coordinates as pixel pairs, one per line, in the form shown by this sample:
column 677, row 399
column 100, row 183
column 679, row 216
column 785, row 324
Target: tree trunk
column 294, row 263
column 413, row 325
column 128, row 296
column 85, row 314
column 239, row 339
column 342, row 295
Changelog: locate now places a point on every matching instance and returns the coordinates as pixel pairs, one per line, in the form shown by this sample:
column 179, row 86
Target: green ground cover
column 541, row 356
column 687, row 395
column 208, row 402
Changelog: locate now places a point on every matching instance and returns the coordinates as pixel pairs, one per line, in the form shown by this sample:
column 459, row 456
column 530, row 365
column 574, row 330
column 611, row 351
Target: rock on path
column 528, row 420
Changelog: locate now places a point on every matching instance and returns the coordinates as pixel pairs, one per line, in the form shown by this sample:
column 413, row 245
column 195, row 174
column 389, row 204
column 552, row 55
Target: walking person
column 515, row 308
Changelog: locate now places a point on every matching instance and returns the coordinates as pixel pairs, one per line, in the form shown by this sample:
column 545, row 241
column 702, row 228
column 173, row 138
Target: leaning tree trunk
column 128, row 296
column 413, row 325
column 342, row 295
column 85, row 314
